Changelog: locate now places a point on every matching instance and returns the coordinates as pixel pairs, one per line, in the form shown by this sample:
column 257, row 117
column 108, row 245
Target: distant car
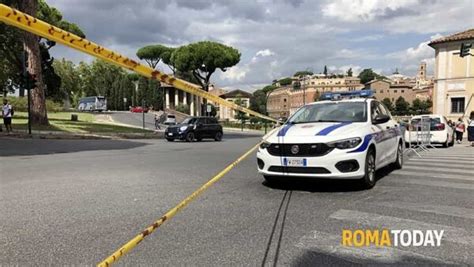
column 139, row 110
column 195, row 128
column 170, row 120
column 440, row 131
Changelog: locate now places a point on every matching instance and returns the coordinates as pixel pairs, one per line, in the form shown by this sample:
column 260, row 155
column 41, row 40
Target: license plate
column 295, row 162
column 170, row 134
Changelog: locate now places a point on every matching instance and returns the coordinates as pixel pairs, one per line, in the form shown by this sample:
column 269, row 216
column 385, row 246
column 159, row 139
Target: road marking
column 433, row 175
column 446, row 157
column 438, row 209
column 172, row 212
column 438, row 184
column 445, row 170
column 447, row 165
column 452, row 234
column 331, row 244
column 440, row 160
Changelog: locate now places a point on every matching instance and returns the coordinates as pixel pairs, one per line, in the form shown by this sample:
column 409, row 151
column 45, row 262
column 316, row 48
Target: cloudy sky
column 276, row 37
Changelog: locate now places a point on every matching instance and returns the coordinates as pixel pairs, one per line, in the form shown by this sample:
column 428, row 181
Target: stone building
column 237, row 96
column 454, row 76
column 278, row 103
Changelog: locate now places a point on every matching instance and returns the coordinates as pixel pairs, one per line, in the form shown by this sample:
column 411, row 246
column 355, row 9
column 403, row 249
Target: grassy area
column 61, row 121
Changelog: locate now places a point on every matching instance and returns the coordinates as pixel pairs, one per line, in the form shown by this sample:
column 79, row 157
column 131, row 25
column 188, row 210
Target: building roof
column 465, row 35
column 236, row 94
column 376, row 80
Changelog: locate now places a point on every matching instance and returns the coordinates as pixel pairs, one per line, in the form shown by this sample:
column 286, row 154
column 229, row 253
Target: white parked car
column 170, row 120
column 440, row 132
column 340, row 139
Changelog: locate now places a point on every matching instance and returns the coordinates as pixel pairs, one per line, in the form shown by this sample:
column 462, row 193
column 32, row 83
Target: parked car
column 335, row 139
column 440, row 131
column 195, row 128
column 138, row 109
column 170, row 119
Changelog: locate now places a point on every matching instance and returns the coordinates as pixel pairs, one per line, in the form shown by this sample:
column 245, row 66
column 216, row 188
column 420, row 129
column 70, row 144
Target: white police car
column 342, row 138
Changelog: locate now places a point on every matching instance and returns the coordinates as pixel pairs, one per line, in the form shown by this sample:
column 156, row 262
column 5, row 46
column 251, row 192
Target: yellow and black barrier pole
column 28, row 23
column 168, row 215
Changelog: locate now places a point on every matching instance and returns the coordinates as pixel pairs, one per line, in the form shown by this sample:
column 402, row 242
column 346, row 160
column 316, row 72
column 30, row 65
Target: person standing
column 460, row 128
column 7, row 112
column 470, row 129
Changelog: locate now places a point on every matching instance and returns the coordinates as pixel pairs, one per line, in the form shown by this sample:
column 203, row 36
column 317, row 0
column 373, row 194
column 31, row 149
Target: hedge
column 21, row 104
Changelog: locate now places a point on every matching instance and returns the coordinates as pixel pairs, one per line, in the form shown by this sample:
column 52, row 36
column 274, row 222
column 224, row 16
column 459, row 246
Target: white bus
column 93, row 103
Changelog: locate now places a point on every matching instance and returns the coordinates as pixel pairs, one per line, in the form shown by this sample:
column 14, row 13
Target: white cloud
column 343, row 69
column 363, row 10
column 265, row 53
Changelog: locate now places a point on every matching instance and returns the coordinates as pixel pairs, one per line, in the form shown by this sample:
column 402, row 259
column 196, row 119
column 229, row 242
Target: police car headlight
column 264, row 145
column 346, row 143
column 183, row 128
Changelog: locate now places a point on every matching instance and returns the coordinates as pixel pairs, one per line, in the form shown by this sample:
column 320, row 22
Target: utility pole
column 143, row 112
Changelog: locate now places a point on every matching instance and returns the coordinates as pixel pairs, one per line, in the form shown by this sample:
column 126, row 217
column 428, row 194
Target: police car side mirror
column 381, row 119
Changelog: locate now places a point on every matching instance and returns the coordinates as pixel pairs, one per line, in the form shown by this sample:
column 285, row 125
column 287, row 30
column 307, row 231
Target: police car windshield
column 331, row 112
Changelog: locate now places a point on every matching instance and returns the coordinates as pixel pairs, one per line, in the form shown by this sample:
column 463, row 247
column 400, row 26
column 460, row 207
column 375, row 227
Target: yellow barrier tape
column 168, row 215
column 28, row 23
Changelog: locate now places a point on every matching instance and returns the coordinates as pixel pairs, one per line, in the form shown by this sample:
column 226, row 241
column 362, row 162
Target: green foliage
column 285, row 81
column 269, row 88
column 402, row 107
column 20, row 104
column 302, row 73
column 421, row 106
column 388, row 103
column 368, row 75
column 239, row 115
column 325, row 70
column 349, row 72
column 152, row 54
column 182, row 108
column 203, row 59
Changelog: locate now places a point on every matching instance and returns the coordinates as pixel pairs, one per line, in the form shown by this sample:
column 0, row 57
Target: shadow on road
column 315, row 185
column 319, row 258
column 26, row 147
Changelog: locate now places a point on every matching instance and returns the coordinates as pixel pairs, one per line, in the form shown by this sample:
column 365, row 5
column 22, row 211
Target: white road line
column 445, row 170
column 445, row 157
column 440, row 160
column 438, row 209
column 447, row 165
column 331, row 244
column 452, row 234
column 437, row 184
column 433, row 175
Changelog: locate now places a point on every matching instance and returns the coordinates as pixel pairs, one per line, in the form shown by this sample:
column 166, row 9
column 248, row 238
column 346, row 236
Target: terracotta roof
column 465, row 35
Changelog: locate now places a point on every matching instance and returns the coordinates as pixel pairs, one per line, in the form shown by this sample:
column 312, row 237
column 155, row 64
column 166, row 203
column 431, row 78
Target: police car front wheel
column 368, row 181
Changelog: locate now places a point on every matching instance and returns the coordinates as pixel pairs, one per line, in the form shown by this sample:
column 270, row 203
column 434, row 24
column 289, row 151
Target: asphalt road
column 75, row 202
column 133, row 119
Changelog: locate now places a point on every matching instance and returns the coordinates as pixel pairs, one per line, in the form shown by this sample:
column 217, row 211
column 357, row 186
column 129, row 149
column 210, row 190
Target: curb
column 74, row 136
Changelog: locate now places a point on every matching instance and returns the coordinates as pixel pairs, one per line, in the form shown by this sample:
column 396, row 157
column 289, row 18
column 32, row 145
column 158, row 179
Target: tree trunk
column 31, row 46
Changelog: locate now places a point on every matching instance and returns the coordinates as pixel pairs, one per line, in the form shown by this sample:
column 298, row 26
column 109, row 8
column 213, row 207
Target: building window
column 395, row 91
column 457, row 105
column 403, row 91
column 381, row 91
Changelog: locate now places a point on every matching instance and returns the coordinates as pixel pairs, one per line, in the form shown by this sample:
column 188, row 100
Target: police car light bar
column 346, row 95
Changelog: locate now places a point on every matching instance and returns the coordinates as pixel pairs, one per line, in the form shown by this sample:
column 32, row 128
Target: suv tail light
column 440, row 126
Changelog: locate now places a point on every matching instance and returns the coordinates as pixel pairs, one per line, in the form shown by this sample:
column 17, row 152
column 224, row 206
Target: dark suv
column 195, row 128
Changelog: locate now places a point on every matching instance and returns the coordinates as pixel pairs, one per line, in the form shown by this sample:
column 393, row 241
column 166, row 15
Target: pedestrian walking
column 470, row 129
column 460, row 128
column 7, row 112
column 157, row 122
